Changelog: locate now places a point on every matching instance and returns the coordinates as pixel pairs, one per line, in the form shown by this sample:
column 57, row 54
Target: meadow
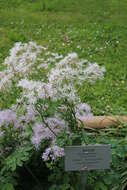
column 96, row 30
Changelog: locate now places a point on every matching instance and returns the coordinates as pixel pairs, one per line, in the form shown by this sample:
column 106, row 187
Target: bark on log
column 104, row 121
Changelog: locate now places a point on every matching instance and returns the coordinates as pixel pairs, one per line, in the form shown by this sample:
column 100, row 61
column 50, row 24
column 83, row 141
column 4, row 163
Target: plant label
column 88, row 157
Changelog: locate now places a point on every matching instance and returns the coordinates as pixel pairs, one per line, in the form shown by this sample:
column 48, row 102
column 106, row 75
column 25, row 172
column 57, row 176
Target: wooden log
column 104, row 121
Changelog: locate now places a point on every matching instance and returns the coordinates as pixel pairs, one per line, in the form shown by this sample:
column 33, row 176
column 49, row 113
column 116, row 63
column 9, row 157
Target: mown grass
column 96, row 30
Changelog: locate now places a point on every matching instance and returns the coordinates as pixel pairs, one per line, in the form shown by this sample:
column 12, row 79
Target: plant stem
column 34, row 177
column 43, row 120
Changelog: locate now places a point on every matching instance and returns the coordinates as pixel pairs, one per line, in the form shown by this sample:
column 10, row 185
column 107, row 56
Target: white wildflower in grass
column 22, row 56
column 6, row 78
column 62, row 80
column 35, row 89
column 69, row 92
column 57, row 56
column 93, row 72
column 70, row 71
column 52, row 153
column 43, row 66
column 49, row 60
column 19, row 62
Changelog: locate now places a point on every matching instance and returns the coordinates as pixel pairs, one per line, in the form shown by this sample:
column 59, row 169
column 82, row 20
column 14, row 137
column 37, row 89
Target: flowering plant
column 45, row 119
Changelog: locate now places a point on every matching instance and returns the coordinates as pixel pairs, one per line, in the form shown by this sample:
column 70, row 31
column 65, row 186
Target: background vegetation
column 97, row 31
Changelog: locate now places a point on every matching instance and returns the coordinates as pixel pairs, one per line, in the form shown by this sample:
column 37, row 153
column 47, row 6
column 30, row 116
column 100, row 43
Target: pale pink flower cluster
column 48, row 130
column 32, row 90
column 30, row 114
column 93, row 72
column 40, row 133
column 56, row 124
column 52, row 153
column 61, row 82
column 62, row 79
column 7, row 117
column 70, row 71
column 83, row 111
column 22, row 56
column 19, row 62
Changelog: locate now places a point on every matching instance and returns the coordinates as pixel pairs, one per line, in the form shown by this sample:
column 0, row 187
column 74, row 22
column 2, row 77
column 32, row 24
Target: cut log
column 104, row 121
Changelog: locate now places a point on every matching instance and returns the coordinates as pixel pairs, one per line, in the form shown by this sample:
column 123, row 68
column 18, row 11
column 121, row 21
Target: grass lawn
column 96, row 30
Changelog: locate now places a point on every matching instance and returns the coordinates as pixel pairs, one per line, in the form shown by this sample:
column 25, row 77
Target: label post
column 86, row 158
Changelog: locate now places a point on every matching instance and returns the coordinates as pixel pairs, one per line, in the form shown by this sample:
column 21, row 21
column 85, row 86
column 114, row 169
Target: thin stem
column 43, row 120
column 34, row 177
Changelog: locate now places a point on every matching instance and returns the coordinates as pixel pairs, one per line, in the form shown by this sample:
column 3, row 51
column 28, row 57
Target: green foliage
column 7, row 182
column 15, row 152
column 10, row 164
column 115, row 178
column 97, row 180
column 99, row 27
column 16, row 159
column 7, row 186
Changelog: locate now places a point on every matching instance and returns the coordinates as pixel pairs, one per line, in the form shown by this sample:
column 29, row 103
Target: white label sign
column 89, row 157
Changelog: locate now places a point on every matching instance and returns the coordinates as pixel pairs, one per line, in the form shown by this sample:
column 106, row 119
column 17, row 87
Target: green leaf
column 8, row 186
column 107, row 180
column 19, row 163
column 100, row 186
column 16, row 158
